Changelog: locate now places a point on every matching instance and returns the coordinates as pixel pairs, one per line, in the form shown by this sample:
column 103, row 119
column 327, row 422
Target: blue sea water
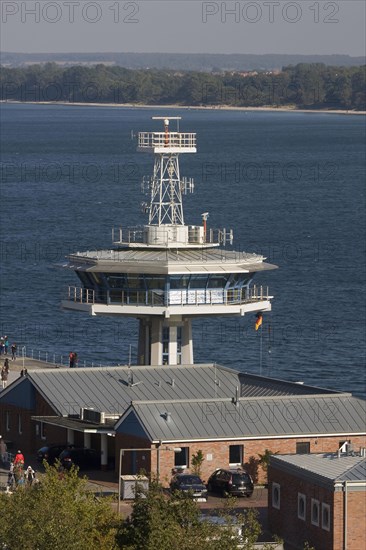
column 291, row 185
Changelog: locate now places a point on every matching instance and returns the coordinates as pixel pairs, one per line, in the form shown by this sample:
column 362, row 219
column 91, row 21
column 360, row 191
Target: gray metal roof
column 107, row 389
column 252, row 417
column 252, row 385
column 323, row 468
column 167, row 261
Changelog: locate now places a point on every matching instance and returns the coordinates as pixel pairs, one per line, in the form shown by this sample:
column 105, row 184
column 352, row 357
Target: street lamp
column 147, row 449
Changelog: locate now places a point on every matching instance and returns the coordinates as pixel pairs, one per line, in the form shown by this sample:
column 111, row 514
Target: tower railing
column 169, row 298
column 195, row 235
column 182, row 140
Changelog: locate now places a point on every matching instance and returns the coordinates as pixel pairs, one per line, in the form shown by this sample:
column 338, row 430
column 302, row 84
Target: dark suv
column 83, row 458
column 50, row 453
column 231, row 482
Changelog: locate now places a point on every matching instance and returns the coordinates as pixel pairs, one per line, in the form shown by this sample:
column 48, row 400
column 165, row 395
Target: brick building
column 320, row 499
column 231, row 416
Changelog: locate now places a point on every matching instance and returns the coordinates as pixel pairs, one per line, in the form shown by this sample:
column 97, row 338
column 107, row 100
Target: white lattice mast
column 166, row 205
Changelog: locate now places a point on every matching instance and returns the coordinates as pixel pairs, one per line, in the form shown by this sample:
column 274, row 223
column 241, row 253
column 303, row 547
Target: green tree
column 264, row 460
column 173, row 522
column 196, row 462
column 58, row 513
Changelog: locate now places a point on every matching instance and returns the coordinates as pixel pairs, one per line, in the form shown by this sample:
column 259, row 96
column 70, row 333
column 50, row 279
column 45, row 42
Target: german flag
column 258, row 321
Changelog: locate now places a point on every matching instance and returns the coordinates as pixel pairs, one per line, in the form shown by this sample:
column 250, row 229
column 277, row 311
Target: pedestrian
column 6, row 344
column 72, row 359
column 2, row 345
column 11, row 478
column 18, row 466
column 6, row 365
column 13, row 351
column 23, row 372
column 19, row 458
column 3, row 450
column 4, row 377
column 29, row 475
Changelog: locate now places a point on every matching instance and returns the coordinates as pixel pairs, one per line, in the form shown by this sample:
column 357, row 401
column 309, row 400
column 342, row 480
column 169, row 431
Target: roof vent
column 167, row 416
column 235, row 399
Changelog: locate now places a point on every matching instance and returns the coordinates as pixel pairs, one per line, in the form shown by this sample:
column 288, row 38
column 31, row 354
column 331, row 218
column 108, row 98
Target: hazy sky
column 305, row 27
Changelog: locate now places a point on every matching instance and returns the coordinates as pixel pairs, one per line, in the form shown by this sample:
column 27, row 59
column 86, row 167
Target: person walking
column 18, row 466
column 4, row 377
column 11, row 478
column 13, row 351
column 6, row 365
column 3, row 450
column 6, row 344
column 29, row 475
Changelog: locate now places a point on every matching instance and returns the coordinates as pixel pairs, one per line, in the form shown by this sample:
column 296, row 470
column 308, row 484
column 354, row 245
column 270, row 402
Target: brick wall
column 285, row 522
column 218, row 451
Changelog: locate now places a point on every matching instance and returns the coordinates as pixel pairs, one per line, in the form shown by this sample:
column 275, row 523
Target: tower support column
column 165, row 341
column 187, row 343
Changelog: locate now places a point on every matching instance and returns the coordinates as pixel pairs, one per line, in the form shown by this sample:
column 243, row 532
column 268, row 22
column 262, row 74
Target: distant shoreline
column 291, row 109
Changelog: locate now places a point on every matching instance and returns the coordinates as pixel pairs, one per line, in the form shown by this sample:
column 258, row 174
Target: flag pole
column 260, row 350
column 258, row 325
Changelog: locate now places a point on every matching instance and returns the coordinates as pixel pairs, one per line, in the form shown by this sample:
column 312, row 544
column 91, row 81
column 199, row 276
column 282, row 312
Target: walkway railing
column 58, row 359
column 169, row 298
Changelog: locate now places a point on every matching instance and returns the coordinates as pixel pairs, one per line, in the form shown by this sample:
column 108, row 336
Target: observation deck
column 169, row 303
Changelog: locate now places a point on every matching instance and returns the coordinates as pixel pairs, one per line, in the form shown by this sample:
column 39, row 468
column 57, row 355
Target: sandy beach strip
column 289, row 109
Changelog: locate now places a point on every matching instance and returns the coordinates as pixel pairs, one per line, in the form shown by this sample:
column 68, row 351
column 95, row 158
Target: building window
column 315, row 511
column 303, row 448
column 179, row 345
column 345, row 446
column 301, row 506
column 325, row 516
column 19, row 424
column 181, row 459
column 236, row 455
column 276, row 495
column 43, row 431
column 7, row 421
column 165, row 342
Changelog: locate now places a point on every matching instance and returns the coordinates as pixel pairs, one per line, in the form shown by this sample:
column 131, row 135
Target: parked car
column 50, row 453
column 230, row 524
column 83, row 458
column 189, row 483
column 231, row 482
